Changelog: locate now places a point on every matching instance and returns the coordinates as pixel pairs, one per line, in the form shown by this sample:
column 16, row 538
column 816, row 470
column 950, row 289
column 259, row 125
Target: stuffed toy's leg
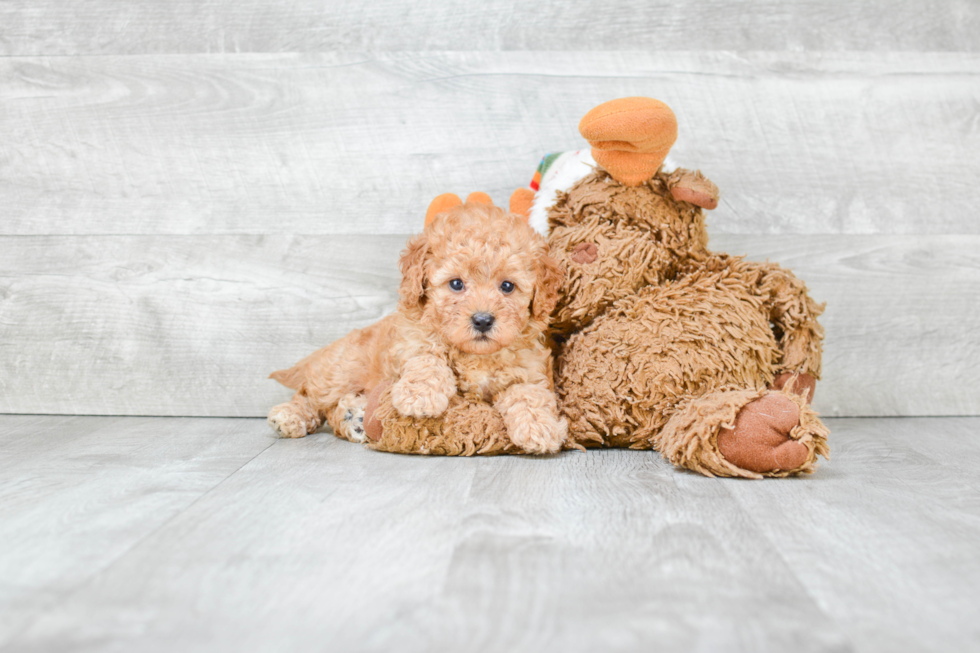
column 727, row 431
column 744, row 433
column 469, row 427
column 683, row 369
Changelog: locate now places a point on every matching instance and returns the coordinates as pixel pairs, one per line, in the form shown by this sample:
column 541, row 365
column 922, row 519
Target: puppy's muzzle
column 482, row 322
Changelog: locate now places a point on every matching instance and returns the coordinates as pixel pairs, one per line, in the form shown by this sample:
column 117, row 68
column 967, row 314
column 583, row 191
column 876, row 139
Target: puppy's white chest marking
column 488, row 376
column 478, row 382
column 486, row 392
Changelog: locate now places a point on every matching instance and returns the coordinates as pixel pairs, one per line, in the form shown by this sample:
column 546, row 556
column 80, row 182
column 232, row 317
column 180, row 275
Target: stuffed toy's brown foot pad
column 372, row 425
column 760, row 441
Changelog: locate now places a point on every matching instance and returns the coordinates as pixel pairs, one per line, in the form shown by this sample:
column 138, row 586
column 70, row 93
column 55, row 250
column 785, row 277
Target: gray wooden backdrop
column 193, row 194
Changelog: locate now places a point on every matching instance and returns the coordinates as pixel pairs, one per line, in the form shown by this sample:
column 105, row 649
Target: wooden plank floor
column 164, row 534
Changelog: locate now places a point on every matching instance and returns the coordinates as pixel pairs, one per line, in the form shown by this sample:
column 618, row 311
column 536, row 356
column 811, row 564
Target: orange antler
column 630, row 137
column 441, row 204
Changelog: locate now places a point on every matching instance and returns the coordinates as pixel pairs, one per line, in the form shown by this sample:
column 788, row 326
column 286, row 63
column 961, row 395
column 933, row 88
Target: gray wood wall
column 193, row 194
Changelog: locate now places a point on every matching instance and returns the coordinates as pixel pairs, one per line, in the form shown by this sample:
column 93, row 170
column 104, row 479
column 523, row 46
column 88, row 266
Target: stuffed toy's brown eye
column 507, row 287
column 456, row 284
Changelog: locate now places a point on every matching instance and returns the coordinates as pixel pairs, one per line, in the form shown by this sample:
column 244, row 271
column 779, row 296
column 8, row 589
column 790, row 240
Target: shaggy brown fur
column 469, row 427
column 639, row 238
column 670, row 364
column 473, row 260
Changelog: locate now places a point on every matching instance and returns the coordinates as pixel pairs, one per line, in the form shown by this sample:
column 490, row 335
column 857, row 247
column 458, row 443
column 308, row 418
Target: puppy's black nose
column 482, row 322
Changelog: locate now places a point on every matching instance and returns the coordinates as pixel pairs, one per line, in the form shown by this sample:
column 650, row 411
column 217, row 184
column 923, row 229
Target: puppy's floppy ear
column 411, row 292
column 550, row 276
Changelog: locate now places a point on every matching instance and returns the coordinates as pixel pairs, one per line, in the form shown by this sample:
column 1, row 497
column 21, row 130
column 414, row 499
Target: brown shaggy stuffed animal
column 660, row 343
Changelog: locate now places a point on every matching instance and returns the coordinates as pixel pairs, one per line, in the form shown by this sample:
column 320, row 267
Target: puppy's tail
column 292, row 378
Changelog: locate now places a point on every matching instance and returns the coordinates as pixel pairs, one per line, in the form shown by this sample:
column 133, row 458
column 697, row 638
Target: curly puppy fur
column 477, row 289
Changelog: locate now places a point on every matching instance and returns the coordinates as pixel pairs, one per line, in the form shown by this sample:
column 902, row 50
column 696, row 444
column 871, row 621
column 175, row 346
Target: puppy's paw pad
column 353, row 424
column 286, row 423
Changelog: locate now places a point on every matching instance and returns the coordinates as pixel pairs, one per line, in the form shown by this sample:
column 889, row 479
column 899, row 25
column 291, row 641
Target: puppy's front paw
column 419, row 399
column 531, row 415
column 535, row 434
column 287, row 423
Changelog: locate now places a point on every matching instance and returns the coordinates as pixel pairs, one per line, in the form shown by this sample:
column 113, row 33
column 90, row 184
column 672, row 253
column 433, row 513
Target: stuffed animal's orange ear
column 441, row 204
column 479, row 197
column 521, row 201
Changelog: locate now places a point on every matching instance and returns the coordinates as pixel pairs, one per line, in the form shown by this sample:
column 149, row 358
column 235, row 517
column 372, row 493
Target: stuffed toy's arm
column 793, row 314
column 694, row 188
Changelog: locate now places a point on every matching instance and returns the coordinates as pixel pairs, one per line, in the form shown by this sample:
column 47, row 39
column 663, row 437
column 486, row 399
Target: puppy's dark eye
column 507, row 287
column 456, row 284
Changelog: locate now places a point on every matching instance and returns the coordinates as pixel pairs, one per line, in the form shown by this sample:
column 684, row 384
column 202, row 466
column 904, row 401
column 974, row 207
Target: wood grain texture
column 104, row 27
column 79, row 493
column 853, row 143
column 886, row 513
column 192, row 325
column 321, row 544
column 900, row 318
column 178, row 325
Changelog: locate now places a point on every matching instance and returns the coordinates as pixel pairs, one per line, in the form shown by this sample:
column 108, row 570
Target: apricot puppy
column 478, row 286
